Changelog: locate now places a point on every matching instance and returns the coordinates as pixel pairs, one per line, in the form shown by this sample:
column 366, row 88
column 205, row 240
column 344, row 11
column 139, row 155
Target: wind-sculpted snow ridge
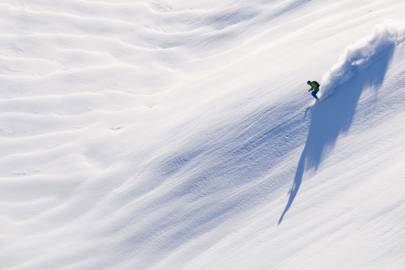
column 361, row 55
column 160, row 135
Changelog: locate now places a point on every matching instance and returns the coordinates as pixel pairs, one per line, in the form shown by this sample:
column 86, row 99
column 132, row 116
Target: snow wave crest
column 360, row 55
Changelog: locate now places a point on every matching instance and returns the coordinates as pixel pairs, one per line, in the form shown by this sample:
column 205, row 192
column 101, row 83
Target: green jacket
column 314, row 85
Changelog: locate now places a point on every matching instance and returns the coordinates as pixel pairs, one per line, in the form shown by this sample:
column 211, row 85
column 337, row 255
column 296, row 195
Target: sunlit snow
column 179, row 134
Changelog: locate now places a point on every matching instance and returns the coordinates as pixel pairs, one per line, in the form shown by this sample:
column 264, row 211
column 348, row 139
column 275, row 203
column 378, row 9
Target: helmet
column 308, row 82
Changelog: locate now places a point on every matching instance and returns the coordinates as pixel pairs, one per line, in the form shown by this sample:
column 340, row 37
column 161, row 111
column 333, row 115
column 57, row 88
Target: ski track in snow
column 171, row 135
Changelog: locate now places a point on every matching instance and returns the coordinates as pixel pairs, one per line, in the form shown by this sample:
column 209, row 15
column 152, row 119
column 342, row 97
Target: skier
column 314, row 88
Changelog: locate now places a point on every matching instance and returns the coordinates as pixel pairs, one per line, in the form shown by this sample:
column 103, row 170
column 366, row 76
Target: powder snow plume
column 360, row 55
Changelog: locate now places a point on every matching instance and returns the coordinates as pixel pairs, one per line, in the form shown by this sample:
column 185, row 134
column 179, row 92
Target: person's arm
column 313, row 87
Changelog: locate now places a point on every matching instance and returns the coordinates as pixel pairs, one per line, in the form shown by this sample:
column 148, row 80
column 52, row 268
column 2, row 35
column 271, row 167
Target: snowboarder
column 314, row 88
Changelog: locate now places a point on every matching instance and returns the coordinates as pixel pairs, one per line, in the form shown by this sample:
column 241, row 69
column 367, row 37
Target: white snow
column 172, row 134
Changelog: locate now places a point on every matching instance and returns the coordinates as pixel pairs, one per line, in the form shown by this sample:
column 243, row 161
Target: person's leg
column 314, row 94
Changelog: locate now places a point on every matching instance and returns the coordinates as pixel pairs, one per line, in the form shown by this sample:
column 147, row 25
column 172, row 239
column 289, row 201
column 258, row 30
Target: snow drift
column 167, row 135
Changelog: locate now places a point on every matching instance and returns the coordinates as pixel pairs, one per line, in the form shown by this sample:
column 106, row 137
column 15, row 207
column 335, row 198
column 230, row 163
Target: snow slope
column 176, row 134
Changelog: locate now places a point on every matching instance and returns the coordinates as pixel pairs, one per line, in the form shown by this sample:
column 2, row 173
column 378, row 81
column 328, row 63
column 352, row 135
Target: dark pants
column 314, row 93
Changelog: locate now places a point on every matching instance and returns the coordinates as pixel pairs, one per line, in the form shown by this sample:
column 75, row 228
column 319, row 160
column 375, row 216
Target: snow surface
column 173, row 134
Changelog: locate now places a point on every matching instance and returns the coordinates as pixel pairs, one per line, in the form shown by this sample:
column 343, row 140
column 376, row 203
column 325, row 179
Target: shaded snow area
column 179, row 134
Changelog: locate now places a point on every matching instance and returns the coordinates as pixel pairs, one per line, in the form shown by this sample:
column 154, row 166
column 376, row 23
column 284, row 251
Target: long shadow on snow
column 223, row 171
column 334, row 116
